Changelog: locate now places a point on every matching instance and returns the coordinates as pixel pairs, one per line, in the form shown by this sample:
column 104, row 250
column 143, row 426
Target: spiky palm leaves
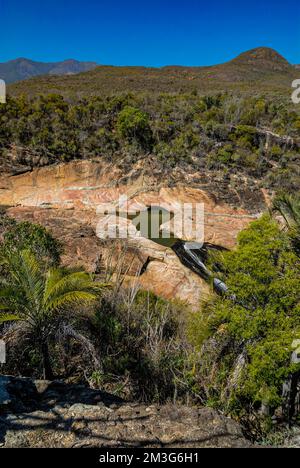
column 288, row 206
column 41, row 299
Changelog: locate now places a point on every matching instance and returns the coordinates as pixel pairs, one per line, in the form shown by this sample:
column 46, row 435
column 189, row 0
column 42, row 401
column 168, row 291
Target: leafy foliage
column 18, row 236
column 40, row 299
column 217, row 132
column 247, row 356
column 132, row 124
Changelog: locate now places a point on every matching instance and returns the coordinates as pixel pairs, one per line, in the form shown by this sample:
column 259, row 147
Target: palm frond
column 58, row 285
column 71, row 298
column 289, row 207
column 38, row 299
column 26, row 276
column 11, row 298
column 9, row 318
column 53, row 276
column 59, row 281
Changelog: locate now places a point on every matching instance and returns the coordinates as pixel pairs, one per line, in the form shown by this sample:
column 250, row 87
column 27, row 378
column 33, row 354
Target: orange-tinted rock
column 70, row 200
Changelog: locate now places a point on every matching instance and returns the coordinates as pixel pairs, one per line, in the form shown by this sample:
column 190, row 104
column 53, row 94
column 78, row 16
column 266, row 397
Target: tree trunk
column 47, row 367
column 289, row 395
column 293, row 395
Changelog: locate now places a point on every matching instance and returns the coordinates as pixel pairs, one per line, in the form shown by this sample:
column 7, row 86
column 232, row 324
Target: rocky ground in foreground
column 53, row 414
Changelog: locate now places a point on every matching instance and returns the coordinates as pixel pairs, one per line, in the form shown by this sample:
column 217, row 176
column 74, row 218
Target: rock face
column 71, row 200
column 52, row 414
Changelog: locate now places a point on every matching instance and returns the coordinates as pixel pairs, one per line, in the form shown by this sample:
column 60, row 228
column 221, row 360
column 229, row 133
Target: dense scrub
column 246, row 340
column 124, row 340
column 234, row 353
column 221, row 132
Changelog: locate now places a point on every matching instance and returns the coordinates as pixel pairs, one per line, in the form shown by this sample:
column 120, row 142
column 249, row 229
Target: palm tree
column 288, row 206
column 40, row 299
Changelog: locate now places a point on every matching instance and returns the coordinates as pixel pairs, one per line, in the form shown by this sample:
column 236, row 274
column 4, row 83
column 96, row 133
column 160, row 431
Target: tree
column 41, row 299
column 247, row 356
column 24, row 235
column 133, row 124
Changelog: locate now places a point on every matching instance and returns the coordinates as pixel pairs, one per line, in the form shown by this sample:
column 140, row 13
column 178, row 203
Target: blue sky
column 144, row 32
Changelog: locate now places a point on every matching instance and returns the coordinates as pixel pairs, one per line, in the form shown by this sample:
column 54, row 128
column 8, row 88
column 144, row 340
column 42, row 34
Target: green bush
column 250, row 337
column 225, row 153
column 24, row 235
column 133, row 124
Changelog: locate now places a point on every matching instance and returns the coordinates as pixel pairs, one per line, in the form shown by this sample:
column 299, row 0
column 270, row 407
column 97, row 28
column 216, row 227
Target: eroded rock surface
column 53, row 414
column 66, row 199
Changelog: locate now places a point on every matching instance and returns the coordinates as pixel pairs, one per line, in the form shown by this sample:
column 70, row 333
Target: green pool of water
column 148, row 223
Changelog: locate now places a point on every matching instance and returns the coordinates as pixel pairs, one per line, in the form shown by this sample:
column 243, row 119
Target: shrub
column 144, row 351
column 225, row 153
column 133, row 124
column 247, row 355
column 24, row 235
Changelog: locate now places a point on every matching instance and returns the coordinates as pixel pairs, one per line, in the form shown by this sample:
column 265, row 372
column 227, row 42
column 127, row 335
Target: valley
column 144, row 326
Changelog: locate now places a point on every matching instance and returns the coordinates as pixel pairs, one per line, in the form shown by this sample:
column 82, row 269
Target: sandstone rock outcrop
column 66, row 199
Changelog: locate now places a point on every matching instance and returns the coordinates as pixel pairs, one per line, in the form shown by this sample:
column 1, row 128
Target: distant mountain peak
column 263, row 57
column 23, row 68
column 261, row 67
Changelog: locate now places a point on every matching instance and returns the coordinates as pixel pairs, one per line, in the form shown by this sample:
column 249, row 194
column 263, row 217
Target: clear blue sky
column 144, row 32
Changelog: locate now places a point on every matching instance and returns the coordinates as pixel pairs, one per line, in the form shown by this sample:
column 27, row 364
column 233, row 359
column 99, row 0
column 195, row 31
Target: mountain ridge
column 254, row 69
column 21, row 68
column 265, row 56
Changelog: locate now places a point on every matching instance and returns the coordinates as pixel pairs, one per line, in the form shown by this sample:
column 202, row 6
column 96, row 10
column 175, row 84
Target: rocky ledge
column 54, row 414
column 65, row 199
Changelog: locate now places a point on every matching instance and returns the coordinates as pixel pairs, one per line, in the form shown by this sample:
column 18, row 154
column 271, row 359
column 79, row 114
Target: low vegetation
column 233, row 354
column 248, row 337
column 261, row 69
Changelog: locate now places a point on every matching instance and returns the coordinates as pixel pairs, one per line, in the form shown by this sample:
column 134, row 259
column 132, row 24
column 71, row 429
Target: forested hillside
column 255, row 136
